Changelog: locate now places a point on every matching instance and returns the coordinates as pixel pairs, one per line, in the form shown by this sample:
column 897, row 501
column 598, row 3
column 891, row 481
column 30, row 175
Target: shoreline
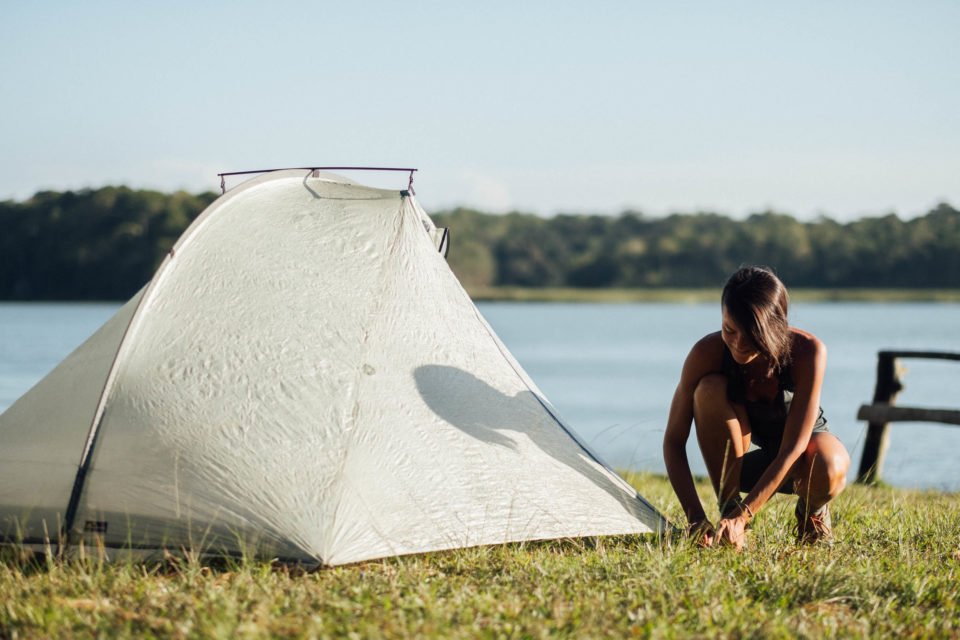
column 701, row 295
column 675, row 295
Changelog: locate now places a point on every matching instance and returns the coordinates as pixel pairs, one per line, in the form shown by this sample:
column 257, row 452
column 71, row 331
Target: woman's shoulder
column 708, row 351
column 710, row 341
column 705, row 357
column 806, row 350
column 805, row 344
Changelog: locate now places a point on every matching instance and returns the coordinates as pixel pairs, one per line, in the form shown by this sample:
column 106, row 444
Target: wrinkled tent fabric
column 304, row 378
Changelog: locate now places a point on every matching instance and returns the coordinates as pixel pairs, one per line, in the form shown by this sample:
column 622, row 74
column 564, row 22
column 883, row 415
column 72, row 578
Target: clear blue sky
column 837, row 108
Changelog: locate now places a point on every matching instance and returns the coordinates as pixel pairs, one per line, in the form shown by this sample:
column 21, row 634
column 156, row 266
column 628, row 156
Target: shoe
column 813, row 528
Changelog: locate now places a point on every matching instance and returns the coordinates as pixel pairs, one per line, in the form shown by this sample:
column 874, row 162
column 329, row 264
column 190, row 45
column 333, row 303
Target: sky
column 840, row 109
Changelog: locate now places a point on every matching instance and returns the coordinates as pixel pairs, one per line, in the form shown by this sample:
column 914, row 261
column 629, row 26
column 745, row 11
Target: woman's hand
column 702, row 533
column 731, row 531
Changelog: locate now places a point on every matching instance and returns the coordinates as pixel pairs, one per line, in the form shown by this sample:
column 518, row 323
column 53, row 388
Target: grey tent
column 303, row 378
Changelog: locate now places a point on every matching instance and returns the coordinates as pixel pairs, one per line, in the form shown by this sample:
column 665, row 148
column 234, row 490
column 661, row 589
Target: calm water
column 611, row 369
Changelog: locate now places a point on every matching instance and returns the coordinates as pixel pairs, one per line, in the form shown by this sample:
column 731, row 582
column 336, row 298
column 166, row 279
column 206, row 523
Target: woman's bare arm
column 702, row 359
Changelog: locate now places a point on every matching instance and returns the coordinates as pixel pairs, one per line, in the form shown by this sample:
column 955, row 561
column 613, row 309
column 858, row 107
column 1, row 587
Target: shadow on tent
column 490, row 416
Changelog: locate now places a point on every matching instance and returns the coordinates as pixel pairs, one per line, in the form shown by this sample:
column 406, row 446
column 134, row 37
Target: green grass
column 894, row 571
column 616, row 295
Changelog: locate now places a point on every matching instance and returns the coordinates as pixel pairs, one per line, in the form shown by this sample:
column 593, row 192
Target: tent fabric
column 303, row 378
column 43, row 433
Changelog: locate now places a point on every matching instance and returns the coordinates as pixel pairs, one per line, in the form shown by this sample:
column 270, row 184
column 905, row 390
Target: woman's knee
column 828, row 459
column 711, row 393
column 715, row 417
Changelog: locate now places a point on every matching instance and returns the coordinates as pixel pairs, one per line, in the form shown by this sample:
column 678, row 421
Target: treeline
column 104, row 244
column 701, row 250
column 101, row 244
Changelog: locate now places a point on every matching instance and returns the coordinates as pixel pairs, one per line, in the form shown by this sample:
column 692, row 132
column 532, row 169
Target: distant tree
column 89, row 244
column 530, row 253
column 106, row 243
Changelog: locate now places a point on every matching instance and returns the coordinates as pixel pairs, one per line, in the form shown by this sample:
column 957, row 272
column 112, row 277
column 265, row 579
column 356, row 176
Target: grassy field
column 894, row 571
column 559, row 294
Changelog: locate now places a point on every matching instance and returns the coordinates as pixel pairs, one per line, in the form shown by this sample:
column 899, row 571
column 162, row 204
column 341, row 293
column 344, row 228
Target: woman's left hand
column 731, row 531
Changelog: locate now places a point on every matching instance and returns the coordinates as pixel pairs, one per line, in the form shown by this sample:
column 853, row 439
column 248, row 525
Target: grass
column 616, row 295
column 894, row 571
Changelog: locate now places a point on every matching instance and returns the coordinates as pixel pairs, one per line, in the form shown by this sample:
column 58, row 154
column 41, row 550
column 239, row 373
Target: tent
column 303, row 378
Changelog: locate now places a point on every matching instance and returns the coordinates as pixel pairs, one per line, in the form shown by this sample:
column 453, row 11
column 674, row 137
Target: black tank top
column 767, row 419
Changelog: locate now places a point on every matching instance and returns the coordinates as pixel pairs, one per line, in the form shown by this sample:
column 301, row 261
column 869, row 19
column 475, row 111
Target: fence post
column 877, row 441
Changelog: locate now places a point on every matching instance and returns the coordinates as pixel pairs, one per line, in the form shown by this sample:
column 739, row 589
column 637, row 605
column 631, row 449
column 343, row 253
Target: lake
column 610, row 369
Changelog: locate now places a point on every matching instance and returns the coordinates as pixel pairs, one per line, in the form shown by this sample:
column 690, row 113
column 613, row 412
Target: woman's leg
column 723, row 433
column 821, row 473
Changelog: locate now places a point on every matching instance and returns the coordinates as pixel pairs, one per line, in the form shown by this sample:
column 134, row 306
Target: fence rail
column 883, row 410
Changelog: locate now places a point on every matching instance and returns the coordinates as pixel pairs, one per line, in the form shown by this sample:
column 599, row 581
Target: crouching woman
column 752, row 390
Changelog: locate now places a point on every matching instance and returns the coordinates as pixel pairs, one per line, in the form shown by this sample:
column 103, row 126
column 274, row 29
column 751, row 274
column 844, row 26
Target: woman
column 755, row 382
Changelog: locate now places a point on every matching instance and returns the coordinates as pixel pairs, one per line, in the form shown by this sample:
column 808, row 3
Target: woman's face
column 741, row 346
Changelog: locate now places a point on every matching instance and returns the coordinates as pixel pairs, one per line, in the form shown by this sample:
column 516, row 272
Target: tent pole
column 222, row 176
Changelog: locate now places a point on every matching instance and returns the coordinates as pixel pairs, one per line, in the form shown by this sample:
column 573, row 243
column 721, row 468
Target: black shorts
column 758, row 458
column 755, row 462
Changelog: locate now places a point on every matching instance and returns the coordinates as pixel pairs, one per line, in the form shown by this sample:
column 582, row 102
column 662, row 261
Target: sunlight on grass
column 894, row 570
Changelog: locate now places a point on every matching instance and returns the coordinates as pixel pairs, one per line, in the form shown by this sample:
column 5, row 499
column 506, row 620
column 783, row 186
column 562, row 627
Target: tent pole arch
column 86, row 456
column 223, row 176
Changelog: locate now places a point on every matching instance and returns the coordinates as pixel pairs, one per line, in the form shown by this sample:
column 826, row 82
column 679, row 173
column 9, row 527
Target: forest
column 104, row 244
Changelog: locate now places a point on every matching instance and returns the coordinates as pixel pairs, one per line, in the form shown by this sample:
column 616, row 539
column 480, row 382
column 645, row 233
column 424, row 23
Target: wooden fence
column 883, row 411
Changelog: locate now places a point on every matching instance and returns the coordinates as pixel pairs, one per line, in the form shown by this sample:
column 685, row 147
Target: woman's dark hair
column 757, row 301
